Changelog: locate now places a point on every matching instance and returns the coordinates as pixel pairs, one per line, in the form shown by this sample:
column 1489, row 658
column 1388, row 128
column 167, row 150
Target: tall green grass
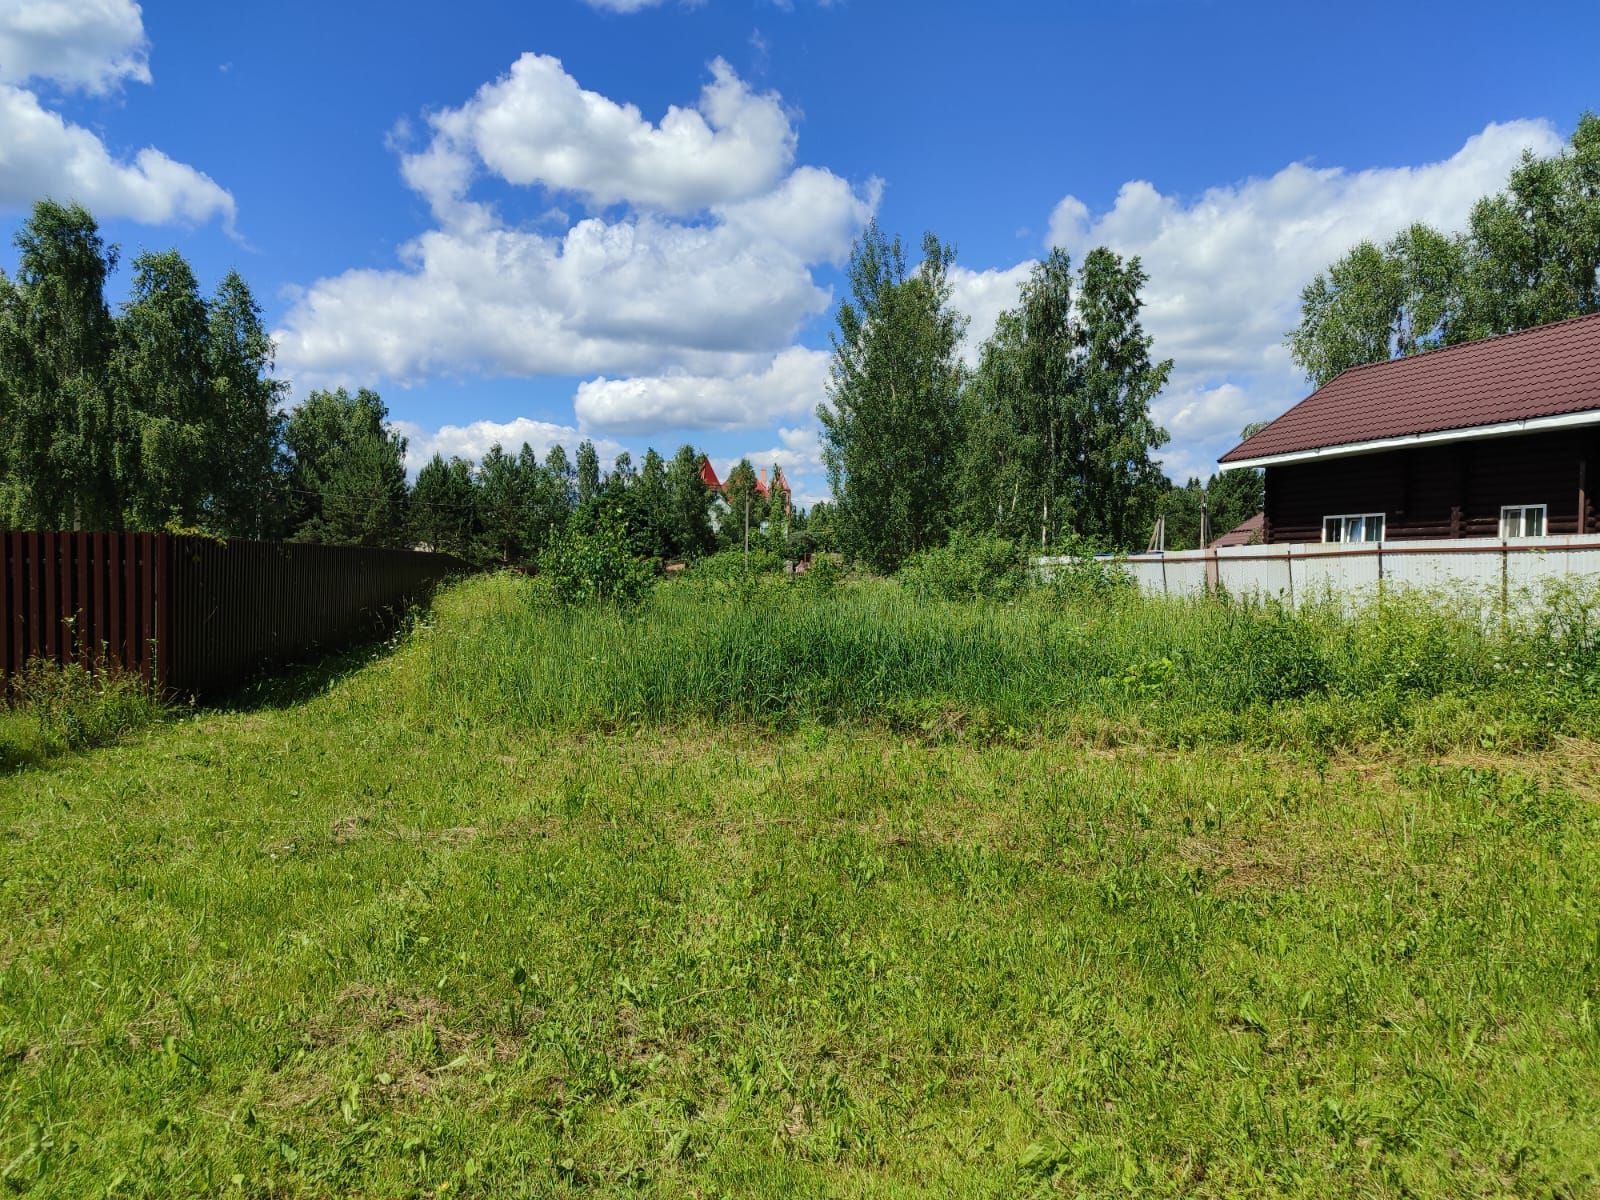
column 782, row 654
column 53, row 709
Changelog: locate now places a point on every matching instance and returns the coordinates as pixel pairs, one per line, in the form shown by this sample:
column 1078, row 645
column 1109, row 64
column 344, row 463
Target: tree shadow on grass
column 35, row 735
column 285, row 685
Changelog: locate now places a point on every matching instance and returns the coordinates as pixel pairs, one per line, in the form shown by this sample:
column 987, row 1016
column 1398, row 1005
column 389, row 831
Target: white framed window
column 1522, row 520
column 1353, row 527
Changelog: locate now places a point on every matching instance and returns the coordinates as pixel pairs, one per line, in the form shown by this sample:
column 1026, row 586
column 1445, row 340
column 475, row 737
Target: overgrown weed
column 1404, row 669
column 54, row 709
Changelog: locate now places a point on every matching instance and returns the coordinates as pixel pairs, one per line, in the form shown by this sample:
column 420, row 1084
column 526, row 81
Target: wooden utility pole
column 1158, row 536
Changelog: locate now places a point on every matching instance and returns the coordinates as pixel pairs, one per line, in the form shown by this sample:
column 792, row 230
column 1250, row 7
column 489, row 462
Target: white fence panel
column 1449, row 567
column 1332, row 574
column 1507, row 569
column 1267, row 571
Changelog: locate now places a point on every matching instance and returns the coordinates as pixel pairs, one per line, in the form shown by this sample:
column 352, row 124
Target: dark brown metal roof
column 1246, row 533
column 1550, row 370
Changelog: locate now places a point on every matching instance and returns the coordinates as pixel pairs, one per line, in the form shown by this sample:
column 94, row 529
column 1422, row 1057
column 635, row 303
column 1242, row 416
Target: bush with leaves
column 968, row 566
column 1082, row 572
column 734, row 564
column 592, row 561
column 54, row 709
column 823, row 575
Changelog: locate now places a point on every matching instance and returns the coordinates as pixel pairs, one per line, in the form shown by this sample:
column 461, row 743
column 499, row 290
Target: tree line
column 510, row 508
column 1047, row 443
column 165, row 415
column 1530, row 255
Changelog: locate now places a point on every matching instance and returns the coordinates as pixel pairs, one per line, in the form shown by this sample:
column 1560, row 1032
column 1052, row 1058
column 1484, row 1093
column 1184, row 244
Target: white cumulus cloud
column 42, row 154
column 813, row 214
column 636, row 296
column 1226, row 268
column 536, row 125
column 472, row 441
column 982, row 296
column 93, row 45
column 793, row 384
column 714, row 290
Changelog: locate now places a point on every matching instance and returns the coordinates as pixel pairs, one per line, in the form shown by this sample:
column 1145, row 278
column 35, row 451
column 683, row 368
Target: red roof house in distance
column 708, row 475
column 1494, row 438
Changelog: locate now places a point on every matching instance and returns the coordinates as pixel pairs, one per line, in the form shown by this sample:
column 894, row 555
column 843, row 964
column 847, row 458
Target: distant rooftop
column 1247, row 532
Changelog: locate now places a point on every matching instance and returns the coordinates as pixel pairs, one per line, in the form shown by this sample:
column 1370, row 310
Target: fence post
column 1505, row 583
column 163, row 646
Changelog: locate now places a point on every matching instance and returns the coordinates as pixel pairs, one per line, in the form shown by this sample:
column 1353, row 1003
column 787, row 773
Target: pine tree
column 775, row 518
column 364, row 500
column 743, row 517
column 588, row 472
column 689, row 528
column 444, row 508
column 649, row 509
column 348, row 483
column 545, row 503
column 503, row 504
column 560, row 468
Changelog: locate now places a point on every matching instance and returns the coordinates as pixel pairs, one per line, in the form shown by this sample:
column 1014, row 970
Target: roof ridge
column 1493, row 337
column 1438, row 349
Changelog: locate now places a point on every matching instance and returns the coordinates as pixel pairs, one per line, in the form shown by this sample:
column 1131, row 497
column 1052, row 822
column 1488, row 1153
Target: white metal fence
column 1299, row 571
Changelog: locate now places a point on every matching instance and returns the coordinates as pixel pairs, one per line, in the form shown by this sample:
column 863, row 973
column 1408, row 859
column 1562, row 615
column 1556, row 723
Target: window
column 1522, row 520
column 1360, row 527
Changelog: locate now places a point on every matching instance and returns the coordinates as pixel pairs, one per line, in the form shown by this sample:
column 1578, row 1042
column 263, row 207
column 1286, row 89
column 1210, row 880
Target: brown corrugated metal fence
column 195, row 615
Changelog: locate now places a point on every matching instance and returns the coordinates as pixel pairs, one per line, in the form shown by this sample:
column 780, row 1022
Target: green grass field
column 793, row 892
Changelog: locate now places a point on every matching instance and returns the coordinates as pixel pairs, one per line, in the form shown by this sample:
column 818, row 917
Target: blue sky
column 626, row 219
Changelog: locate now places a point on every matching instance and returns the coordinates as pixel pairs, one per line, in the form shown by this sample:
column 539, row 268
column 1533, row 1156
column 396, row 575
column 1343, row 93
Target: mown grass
column 455, row 924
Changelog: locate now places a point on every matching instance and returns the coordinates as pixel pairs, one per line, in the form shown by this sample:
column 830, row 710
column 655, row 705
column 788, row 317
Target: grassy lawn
column 543, row 903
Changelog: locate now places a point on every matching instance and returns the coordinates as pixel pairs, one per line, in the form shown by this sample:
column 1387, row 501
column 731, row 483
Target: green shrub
column 823, row 575
column 967, row 567
column 55, row 709
column 596, row 564
column 1088, row 578
column 733, row 564
column 1268, row 653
